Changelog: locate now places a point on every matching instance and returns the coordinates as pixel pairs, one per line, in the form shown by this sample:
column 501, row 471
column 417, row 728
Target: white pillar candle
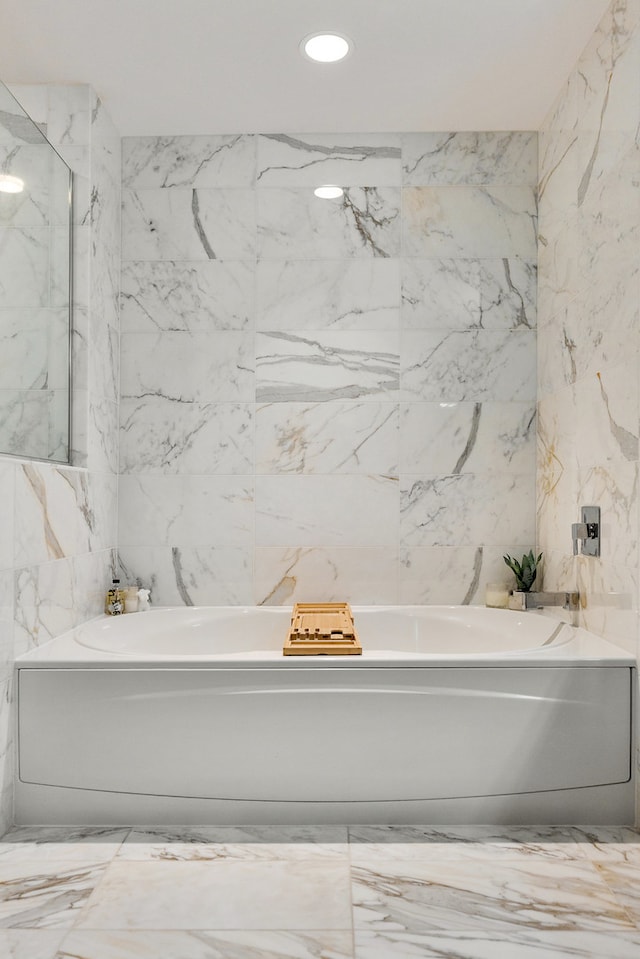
column 497, row 595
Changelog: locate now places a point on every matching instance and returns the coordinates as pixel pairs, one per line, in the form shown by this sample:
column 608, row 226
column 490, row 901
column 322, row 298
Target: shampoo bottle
column 114, row 605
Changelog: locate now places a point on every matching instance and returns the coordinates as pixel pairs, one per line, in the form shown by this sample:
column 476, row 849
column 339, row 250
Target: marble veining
column 331, row 892
column 588, row 342
column 202, row 161
column 331, row 366
column 161, row 434
column 453, row 366
column 461, row 437
column 469, row 221
column 303, row 438
column 468, row 293
column 452, row 510
column 192, row 575
column 365, row 221
column 368, row 574
column 337, row 359
column 463, row 158
column 201, row 224
column 324, row 158
column 196, row 297
column 423, row 897
column 348, row 294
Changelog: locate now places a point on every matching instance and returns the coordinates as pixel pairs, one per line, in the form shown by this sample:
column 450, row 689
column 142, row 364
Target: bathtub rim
column 573, row 646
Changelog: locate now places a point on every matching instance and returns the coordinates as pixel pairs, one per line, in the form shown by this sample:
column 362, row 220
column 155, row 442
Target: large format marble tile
column 45, row 894
column 183, row 224
column 6, row 624
column 188, row 367
column 570, row 350
column 341, row 158
column 609, row 844
column 293, row 223
column 466, row 510
column 440, row 159
column 243, row 843
column 613, row 614
column 160, row 434
column 47, row 602
column 61, row 843
column 55, row 515
column 450, row 438
column 321, row 366
column 430, row 575
column 68, row 113
column 608, row 237
column 506, row 897
column 623, row 879
column 196, row 161
column 466, row 221
column 27, row 423
column 286, row 575
column 494, row 945
column 608, row 93
column 33, row 349
column 221, row 895
column 7, row 512
column 190, row 511
column 198, row 944
column 463, row 843
column 605, row 416
column 7, row 752
column 330, row 437
column 464, row 294
column 191, row 576
column 451, row 366
column 25, row 274
column 37, row 205
column 342, row 294
column 196, row 297
column 614, row 489
column 326, row 510
column 29, row 943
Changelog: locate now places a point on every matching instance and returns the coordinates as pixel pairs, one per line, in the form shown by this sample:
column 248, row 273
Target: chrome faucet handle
column 587, row 532
column 579, row 532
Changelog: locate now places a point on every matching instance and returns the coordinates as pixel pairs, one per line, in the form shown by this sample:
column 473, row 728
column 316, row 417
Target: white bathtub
column 452, row 714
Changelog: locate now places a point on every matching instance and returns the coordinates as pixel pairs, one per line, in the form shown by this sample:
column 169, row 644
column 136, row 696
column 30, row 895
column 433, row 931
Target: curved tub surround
column 452, row 714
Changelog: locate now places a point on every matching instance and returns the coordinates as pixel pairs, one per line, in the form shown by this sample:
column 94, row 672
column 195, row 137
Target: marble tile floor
column 320, row 892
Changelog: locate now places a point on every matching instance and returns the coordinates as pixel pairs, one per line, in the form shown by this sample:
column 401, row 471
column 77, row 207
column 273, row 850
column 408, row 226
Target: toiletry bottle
column 108, row 600
column 143, row 600
column 114, row 605
column 131, row 599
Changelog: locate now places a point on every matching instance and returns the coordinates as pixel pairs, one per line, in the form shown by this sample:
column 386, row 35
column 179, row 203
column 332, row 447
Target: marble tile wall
column 589, row 334
column 58, row 523
column 327, row 399
column 33, row 304
column 589, row 330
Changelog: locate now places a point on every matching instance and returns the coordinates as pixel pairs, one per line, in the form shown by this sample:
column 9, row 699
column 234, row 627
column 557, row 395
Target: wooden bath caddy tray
column 322, row 629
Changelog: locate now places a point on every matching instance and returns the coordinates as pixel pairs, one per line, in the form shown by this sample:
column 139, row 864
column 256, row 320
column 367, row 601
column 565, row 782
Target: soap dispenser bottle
column 114, row 605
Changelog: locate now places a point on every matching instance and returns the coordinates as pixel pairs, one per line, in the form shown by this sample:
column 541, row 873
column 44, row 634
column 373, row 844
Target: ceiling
column 228, row 66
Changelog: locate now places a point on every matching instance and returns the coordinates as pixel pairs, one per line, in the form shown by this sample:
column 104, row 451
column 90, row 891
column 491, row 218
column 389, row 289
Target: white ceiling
column 229, row 66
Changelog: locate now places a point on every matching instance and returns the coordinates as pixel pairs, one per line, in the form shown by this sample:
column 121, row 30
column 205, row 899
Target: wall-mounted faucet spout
column 523, row 601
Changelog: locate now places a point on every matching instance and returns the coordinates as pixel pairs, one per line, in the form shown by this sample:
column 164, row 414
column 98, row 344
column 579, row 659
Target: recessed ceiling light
column 10, row 184
column 328, row 192
column 326, row 47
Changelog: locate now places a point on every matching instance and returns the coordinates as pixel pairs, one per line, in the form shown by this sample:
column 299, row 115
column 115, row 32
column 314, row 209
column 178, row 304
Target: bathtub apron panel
column 322, row 735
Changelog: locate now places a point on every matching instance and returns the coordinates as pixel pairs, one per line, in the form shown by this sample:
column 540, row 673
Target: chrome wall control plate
column 590, row 516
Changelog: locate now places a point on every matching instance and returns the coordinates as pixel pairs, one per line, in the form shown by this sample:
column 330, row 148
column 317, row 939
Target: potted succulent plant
column 525, row 571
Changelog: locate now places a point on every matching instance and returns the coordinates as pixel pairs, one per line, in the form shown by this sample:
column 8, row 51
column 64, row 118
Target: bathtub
column 450, row 715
